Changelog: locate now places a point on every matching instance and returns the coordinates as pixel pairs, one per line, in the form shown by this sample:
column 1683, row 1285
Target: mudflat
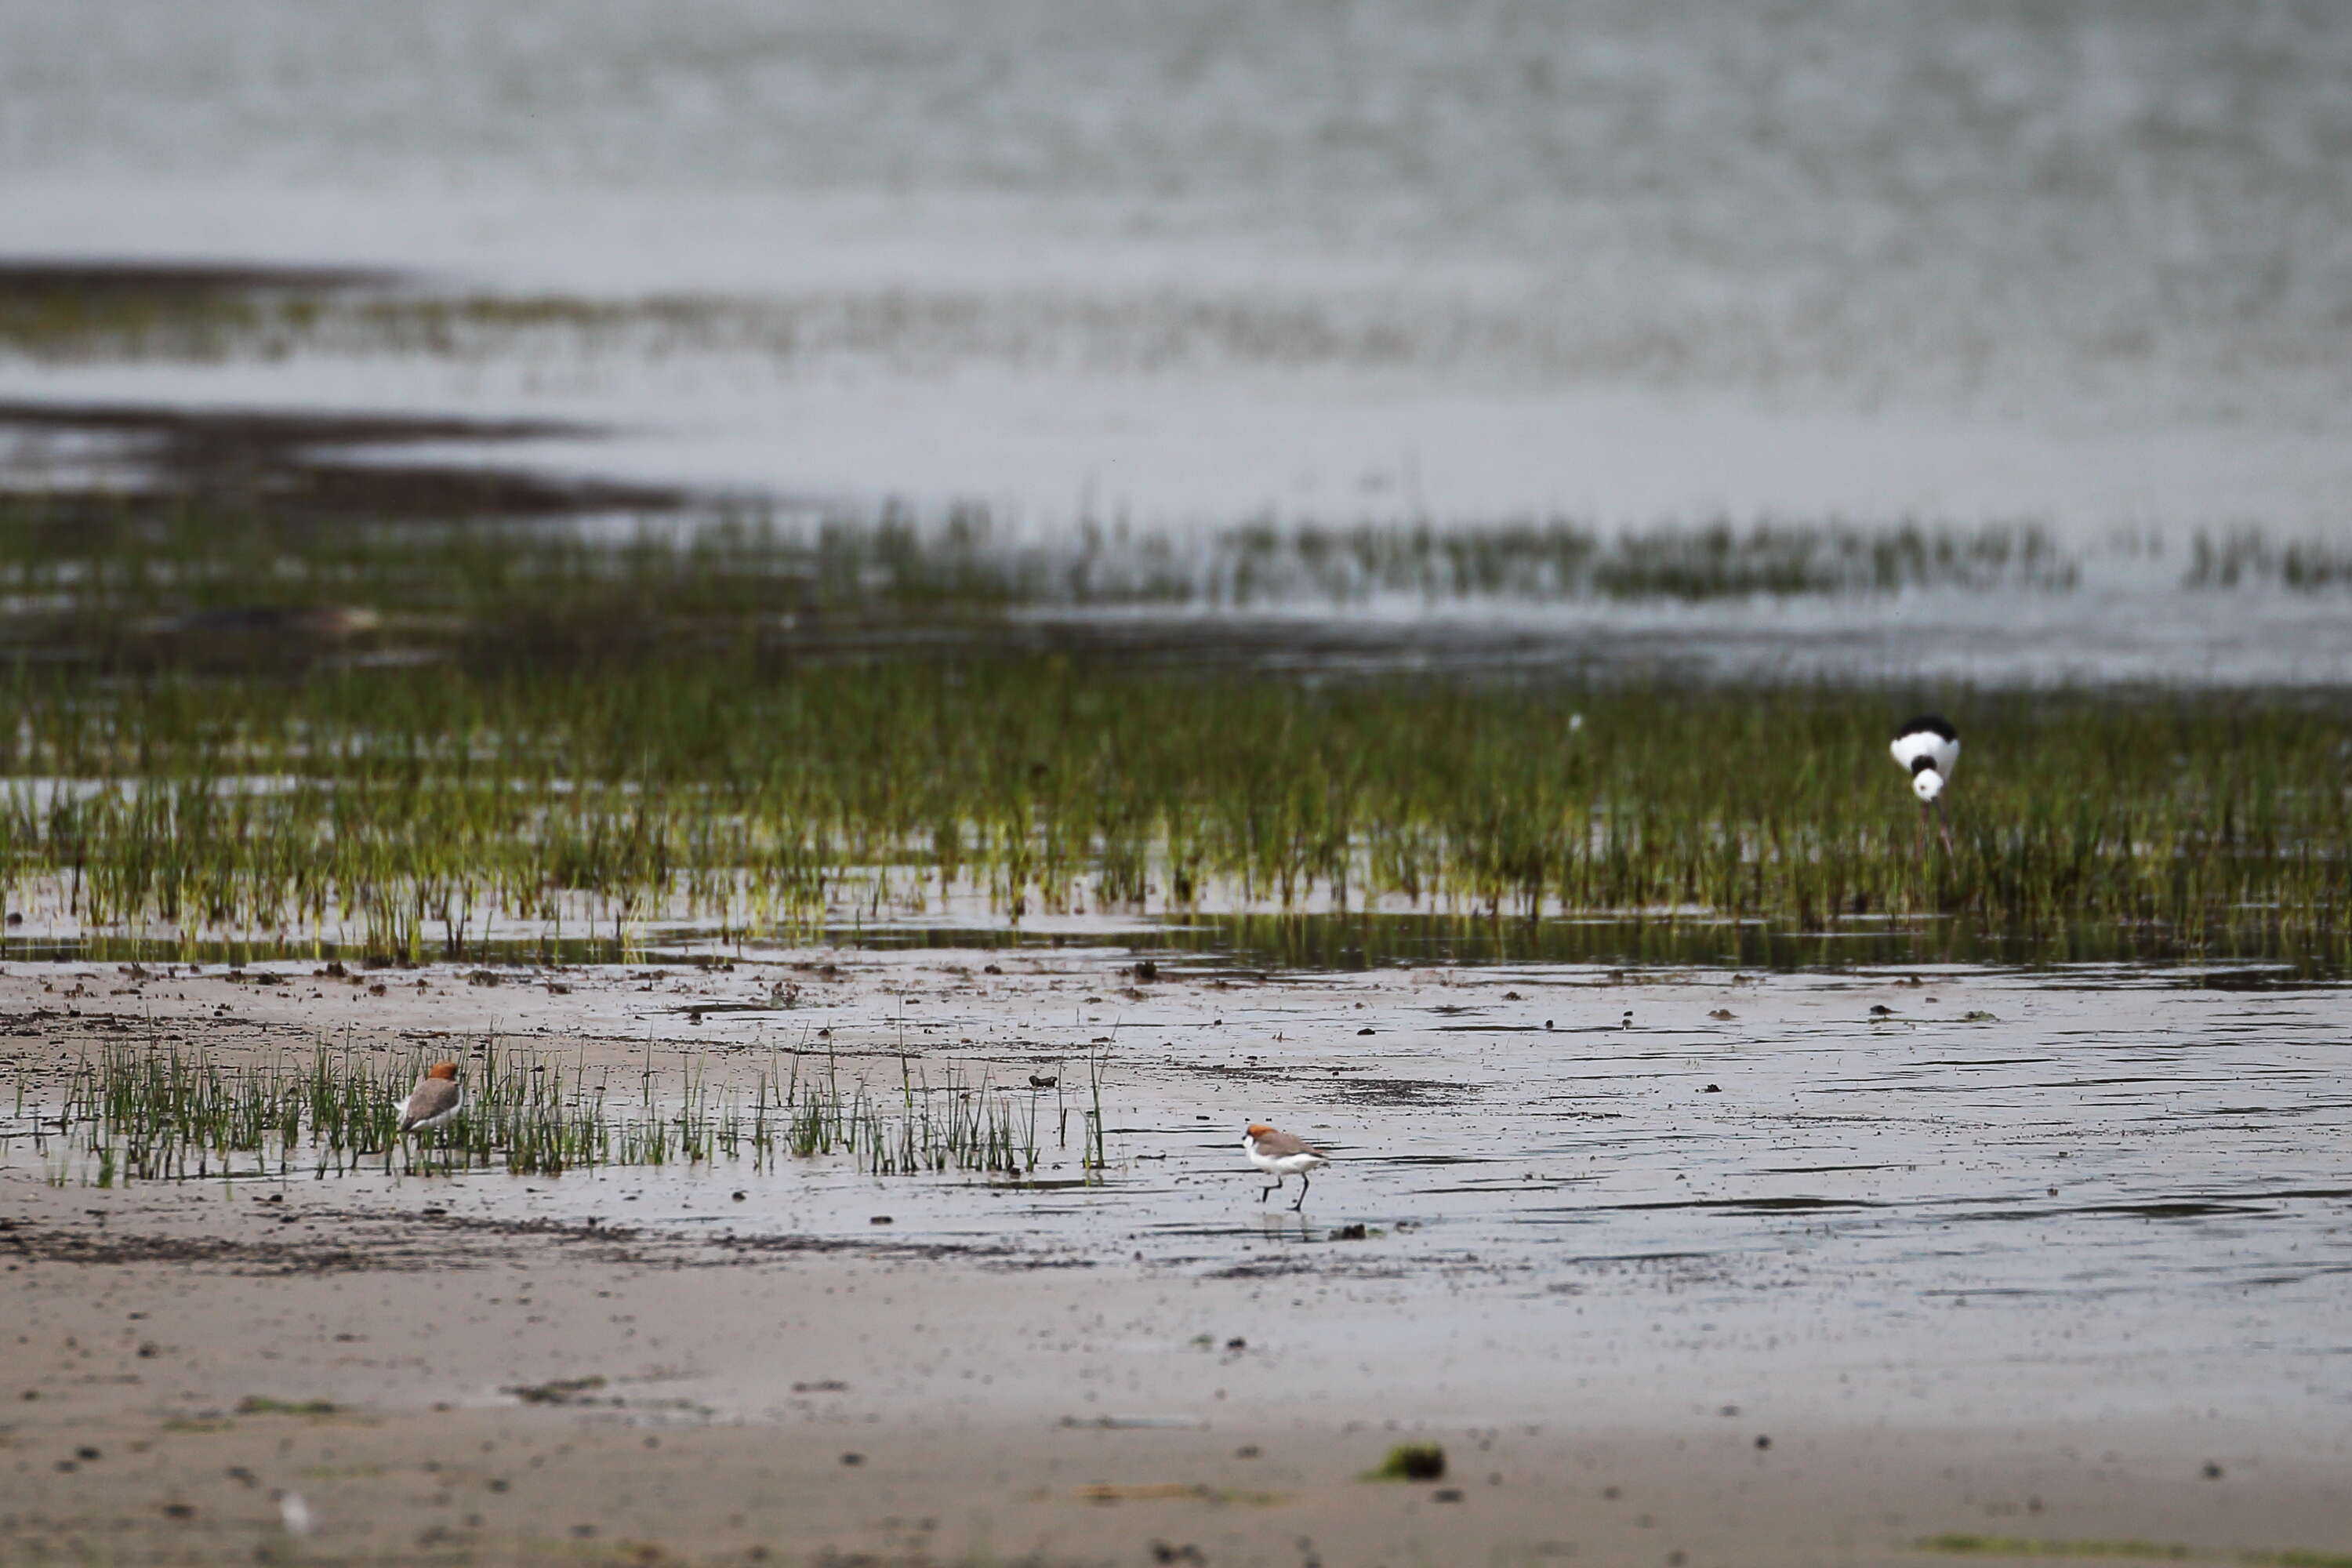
column 1877, row 1268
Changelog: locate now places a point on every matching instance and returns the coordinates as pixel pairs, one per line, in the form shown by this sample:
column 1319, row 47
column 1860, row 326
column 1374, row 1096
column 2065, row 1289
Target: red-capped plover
column 1279, row 1154
column 1928, row 748
column 435, row 1101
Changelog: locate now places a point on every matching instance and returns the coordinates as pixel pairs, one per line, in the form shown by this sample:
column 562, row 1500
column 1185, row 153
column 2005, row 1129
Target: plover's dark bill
column 1279, row 1154
column 435, row 1101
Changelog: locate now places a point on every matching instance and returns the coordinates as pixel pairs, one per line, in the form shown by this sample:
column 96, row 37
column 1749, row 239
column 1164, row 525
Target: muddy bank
column 178, row 1410
column 2009, row 1260
column 318, row 468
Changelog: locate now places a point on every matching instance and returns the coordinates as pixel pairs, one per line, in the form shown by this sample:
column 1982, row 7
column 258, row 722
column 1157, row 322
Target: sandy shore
column 1663, row 1359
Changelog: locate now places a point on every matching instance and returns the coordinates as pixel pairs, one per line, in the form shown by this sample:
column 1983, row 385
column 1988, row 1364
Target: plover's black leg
column 1270, row 1191
column 1301, row 1204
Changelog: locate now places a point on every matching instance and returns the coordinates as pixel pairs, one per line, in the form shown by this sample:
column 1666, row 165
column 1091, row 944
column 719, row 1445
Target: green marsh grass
column 431, row 730
column 162, row 1109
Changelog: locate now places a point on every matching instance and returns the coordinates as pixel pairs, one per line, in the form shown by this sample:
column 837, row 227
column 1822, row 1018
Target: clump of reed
column 162, row 1110
column 957, row 1124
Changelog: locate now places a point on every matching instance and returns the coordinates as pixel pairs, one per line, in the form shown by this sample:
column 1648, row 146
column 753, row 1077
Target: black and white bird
column 1928, row 748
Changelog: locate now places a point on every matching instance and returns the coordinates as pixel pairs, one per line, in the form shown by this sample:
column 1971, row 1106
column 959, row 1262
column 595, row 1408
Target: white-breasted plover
column 1928, row 748
column 1279, row 1154
column 435, row 1101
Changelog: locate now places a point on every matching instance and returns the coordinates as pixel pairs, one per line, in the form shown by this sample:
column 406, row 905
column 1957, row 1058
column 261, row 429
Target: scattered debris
column 261, row 1405
column 561, row 1391
column 1411, row 1462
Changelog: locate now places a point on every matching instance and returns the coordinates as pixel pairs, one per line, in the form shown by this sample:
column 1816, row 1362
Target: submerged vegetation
column 393, row 736
column 162, row 1109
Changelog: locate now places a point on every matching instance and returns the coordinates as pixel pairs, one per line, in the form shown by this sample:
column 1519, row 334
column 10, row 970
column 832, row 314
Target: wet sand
column 2069, row 1275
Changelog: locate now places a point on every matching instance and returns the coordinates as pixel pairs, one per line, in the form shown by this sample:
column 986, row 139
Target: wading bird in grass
column 1928, row 748
column 435, row 1101
column 1279, row 1154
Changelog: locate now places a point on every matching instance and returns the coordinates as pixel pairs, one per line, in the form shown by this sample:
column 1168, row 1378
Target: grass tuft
column 161, row 1111
column 1411, row 1462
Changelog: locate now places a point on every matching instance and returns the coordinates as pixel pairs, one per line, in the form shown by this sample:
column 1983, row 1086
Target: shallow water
column 1185, row 264
column 2103, row 1168
column 1202, row 945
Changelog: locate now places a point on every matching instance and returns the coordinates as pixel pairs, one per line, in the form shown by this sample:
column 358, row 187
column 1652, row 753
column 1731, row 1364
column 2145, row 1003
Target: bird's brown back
column 432, row 1097
column 1274, row 1145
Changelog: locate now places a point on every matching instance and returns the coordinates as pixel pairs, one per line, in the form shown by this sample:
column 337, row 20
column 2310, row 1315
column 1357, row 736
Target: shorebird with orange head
column 1279, row 1154
column 435, row 1101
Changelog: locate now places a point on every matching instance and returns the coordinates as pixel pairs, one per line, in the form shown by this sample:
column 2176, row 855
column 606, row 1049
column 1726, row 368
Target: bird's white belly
column 441, row 1120
column 1286, row 1165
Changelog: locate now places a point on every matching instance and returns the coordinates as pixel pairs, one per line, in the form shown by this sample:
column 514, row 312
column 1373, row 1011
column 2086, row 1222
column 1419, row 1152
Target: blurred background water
column 1177, row 266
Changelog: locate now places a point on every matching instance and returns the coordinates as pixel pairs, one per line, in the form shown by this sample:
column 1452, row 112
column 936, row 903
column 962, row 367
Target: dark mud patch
column 378, row 1242
column 1751, row 1206
column 1401, row 1091
column 999, row 1255
column 1314, row 1263
column 643, row 1244
column 95, row 278
column 2185, row 1208
column 1003, row 1258
column 550, row 1229
column 323, row 467
column 37, row 1244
